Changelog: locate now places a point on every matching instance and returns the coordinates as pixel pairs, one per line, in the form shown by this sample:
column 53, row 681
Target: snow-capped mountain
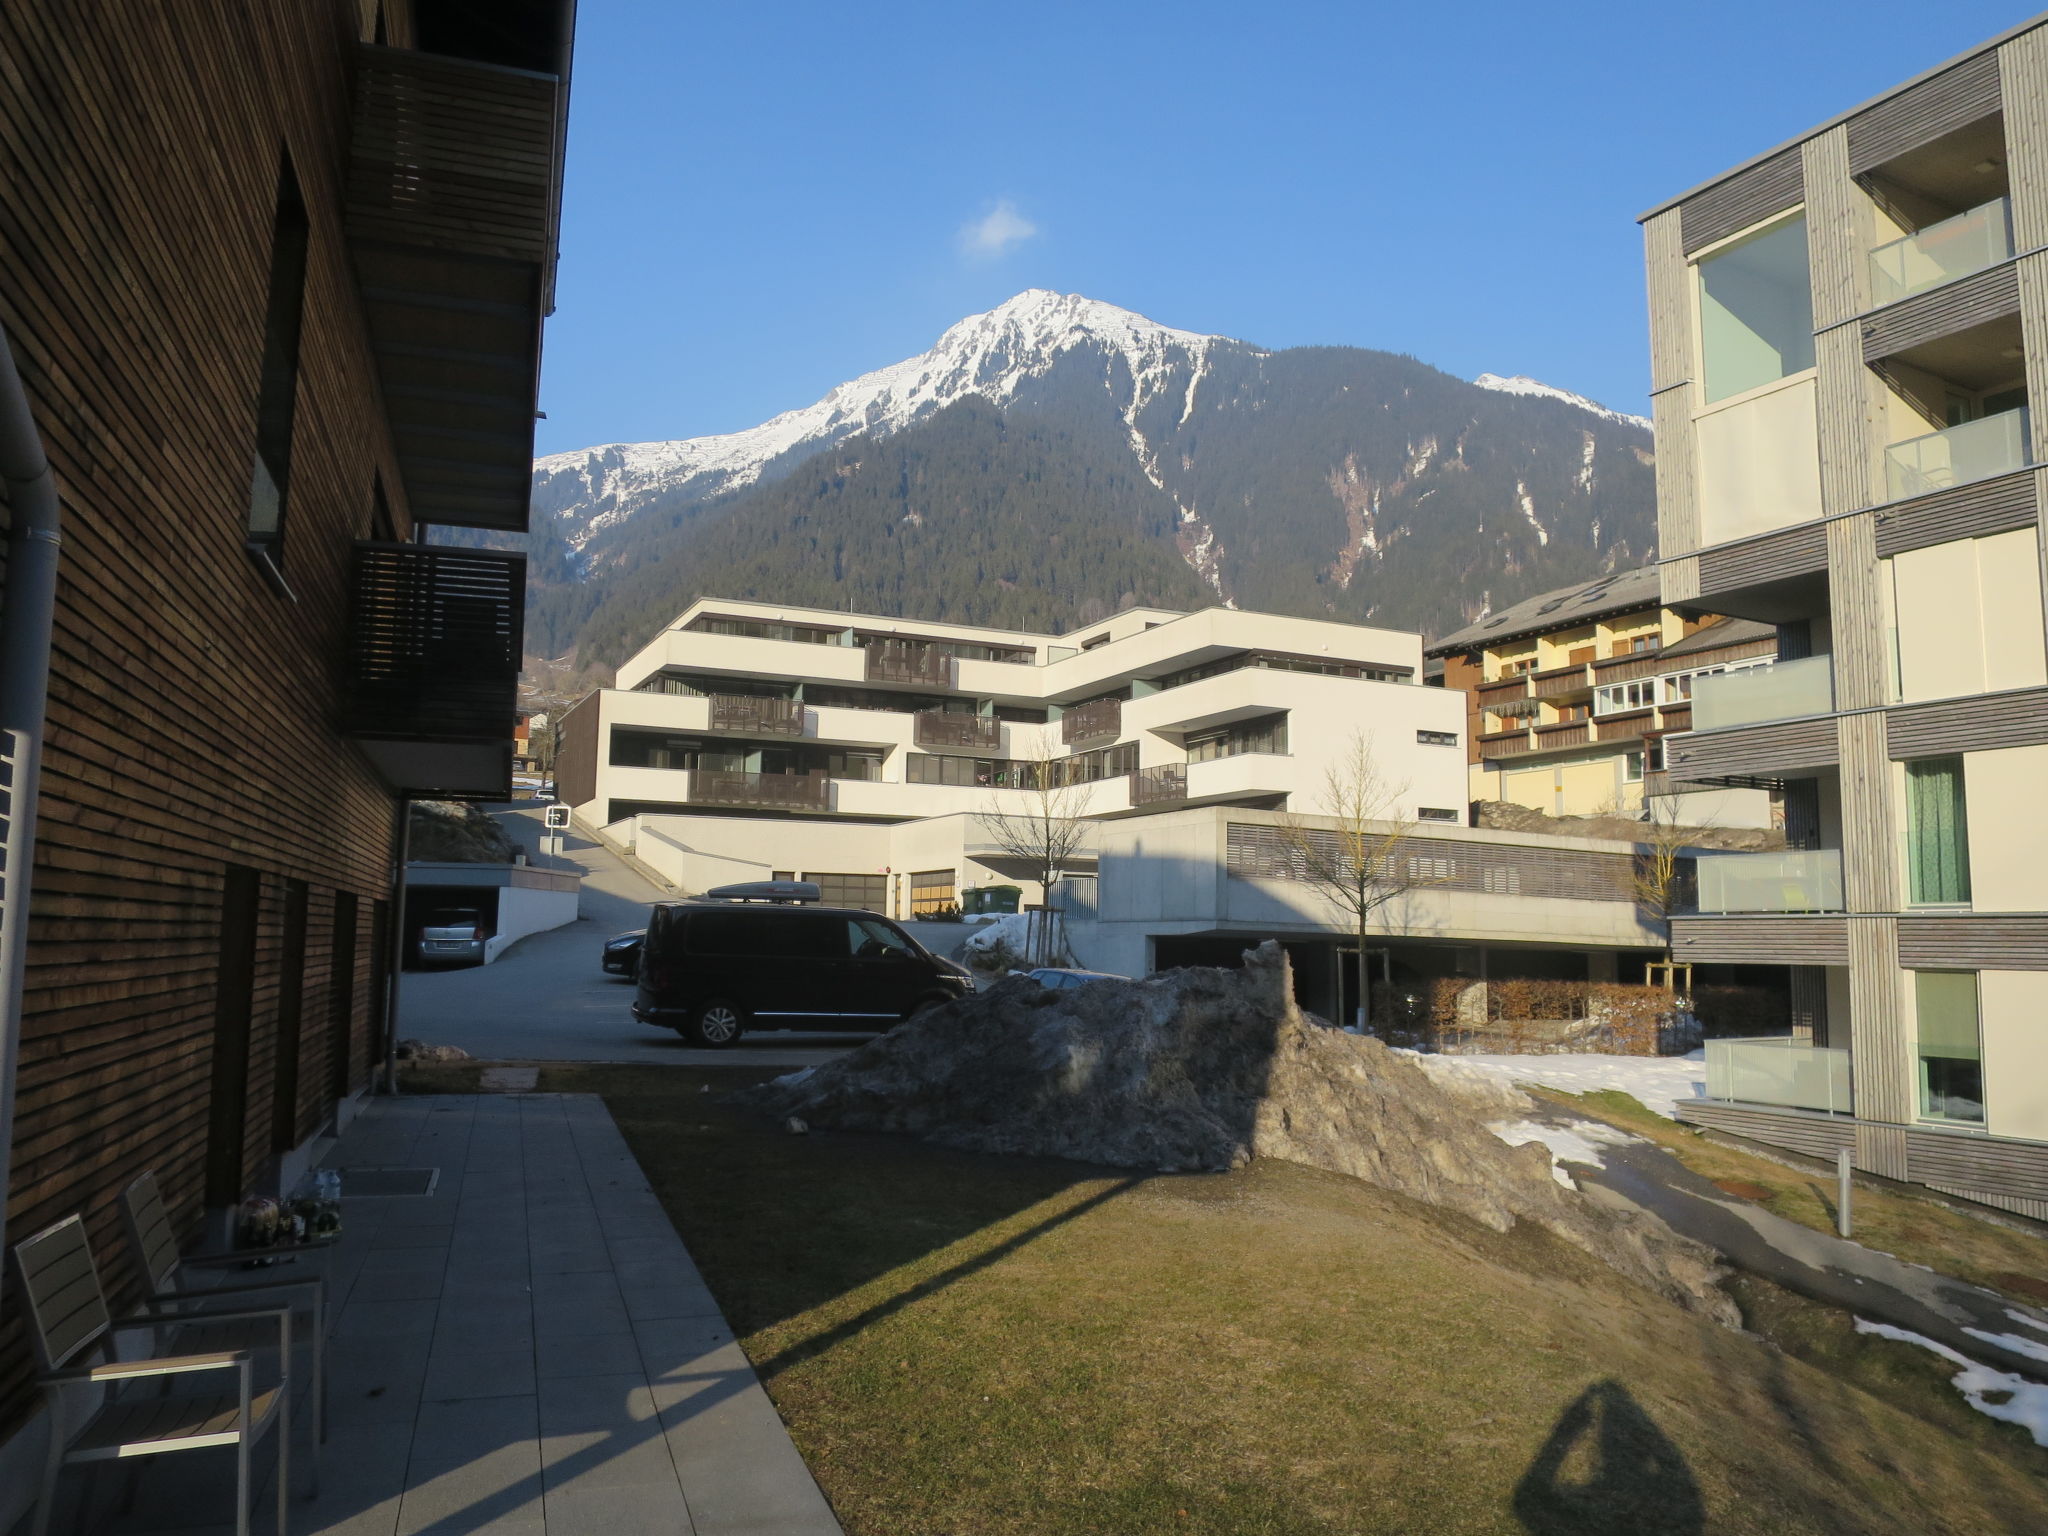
column 989, row 355
column 1058, row 456
column 1522, row 384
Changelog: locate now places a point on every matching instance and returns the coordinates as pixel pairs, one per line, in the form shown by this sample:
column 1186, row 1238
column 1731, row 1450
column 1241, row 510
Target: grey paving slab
column 460, row 1371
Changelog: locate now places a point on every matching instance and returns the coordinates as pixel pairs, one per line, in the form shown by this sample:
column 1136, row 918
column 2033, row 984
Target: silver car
column 453, row 936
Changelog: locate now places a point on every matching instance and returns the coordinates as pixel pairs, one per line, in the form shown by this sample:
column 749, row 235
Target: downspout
column 26, row 618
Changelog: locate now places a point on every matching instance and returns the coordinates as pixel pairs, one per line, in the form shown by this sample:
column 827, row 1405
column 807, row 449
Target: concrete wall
column 1968, row 616
column 523, row 910
column 2002, row 794
column 1759, row 461
column 2013, row 1011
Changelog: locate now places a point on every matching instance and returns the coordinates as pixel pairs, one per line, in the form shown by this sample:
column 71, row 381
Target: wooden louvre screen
column 1501, row 869
column 434, row 642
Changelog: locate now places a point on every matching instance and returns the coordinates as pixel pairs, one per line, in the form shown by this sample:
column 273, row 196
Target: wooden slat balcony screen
column 1094, row 721
column 1492, row 695
column 1622, row 669
column 937, row 728
column 1620, row 727
column 453, row 190
column 1559, row 680
column 1158, row 784
column 1562, row 733
column 1505, row 744
column 744, row 712
column 907, row 661
column 770, row 791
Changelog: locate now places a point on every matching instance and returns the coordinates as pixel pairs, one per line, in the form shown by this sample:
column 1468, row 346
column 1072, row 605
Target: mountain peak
column 1522, row 384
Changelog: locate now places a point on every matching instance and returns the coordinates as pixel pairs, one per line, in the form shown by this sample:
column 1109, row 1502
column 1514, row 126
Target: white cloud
column 995, row 232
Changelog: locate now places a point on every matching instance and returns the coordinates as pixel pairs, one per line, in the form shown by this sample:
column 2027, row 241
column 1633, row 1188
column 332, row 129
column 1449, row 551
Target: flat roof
column 1842, row 117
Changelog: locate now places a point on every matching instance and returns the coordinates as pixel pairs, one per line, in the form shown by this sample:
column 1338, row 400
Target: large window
column 1937, row 833
column 1267, row 734
column 1950, row 1047
column 1618, row 698
column 759, row 629
column 1756, row 311
column 1274, row 662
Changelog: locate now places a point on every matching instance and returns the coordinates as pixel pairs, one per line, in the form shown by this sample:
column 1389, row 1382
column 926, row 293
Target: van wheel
column 714, row 1025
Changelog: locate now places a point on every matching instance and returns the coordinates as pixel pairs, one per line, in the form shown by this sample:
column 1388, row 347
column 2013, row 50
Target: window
column 1950, row 1049
column 1517, row 666
column 757, row 629
column 1436, row 738
column 851, row 890
column 971, row 772
column 1937, row 833
column 770, row 934
column 1631, row 767
column 1268, row 734
column 1641, row 643
column 1756, row 311
column 1435, row 813
column 1274, row 662
column 277, row 393
column 1617, row 698
column 871, row 939
column 1022, row 714
column 933, row 890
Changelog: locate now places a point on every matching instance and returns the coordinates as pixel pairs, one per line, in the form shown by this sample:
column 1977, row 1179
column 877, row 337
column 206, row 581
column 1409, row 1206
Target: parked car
column 453, row 936
column 1058, row 978
column 714, row 970
column 622, row 953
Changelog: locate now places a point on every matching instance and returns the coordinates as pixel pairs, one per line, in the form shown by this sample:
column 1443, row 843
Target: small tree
column 1043, row 834
column 1356, row 852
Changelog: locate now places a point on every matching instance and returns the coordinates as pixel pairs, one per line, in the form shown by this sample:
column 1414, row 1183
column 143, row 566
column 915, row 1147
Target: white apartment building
column 778, row 740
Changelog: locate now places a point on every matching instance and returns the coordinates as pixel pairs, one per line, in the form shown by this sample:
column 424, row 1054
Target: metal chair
column 67, row 1318
column 153, row 1248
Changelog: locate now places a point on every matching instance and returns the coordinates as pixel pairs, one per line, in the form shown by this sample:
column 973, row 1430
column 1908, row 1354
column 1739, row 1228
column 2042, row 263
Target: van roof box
column 780, row 892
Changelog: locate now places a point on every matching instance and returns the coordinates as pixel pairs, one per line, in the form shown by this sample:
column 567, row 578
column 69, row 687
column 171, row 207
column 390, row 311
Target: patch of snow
column 1660, row 1083
column 1567, row 1144
column 2018, row 1343
column 791, row 1079
column 2027, row 1322
column 1528, row 506
column 1585, row 476
column 1522, row 384
column 2025, row 1402
column 1456, row 1076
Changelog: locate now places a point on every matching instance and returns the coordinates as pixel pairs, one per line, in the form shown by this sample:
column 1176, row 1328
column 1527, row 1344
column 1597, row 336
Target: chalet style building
column 273, row 278
column 1846, row 336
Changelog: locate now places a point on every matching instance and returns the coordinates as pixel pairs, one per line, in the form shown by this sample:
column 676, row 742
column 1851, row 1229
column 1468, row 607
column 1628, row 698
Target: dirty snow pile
column 1660, row 1083
column 1575, row 1143
column 1202, row 1070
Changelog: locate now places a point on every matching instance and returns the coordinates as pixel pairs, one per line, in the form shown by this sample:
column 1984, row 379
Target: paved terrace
column 527, row 1350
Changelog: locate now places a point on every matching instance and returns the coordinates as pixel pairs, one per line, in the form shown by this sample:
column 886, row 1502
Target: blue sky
column 767, row 198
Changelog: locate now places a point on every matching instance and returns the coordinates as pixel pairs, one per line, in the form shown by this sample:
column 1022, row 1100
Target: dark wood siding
column 1746, row 198
column 1770, row 939
column 193, row 705
column 576, row 752
column 1787, row 552
column 1943, row 312
column 1988, row 943
column 1777, row 746
column 1979, row 724
column 1819, row 1136
column 1965, row 512
column 1953, row 99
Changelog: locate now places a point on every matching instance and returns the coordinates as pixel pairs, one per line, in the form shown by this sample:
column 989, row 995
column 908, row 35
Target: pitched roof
column 1560, row 609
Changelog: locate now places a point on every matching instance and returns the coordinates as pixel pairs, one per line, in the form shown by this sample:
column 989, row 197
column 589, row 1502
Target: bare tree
column 1660, row 874
column 1356, row 852
column 1043, row 834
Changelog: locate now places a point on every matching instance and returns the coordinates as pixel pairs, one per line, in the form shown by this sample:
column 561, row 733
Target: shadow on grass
column 1635, row 1481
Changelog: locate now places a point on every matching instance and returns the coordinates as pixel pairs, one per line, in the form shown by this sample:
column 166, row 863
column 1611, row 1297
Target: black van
column 711, row 971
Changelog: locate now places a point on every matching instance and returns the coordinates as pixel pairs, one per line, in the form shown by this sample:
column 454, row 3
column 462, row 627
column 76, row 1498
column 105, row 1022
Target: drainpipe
column 25, row 623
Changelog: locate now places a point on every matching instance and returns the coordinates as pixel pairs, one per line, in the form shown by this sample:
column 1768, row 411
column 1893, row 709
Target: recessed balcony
column 1796, row 880
column 1100, row 720
column 1159, row 784
column 1555, row 682
column 1941, row 253
column 974, row 733
column 1975, row 450
column 759, row 716
column 758, row 791
column 908, row 661
column 1784, row 690
column 1780, row 1070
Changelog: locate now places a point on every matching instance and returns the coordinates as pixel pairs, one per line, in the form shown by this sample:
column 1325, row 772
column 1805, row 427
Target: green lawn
column 964, row 1344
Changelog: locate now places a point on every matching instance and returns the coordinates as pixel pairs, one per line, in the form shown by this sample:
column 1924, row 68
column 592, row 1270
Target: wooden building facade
column 274, row 276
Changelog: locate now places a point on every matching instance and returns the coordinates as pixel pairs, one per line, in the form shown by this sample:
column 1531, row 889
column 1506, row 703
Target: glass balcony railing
column 1780, row 1070
column 1942, row 252
column 1796, row 880
column 1780, row 691
column 1976, row 450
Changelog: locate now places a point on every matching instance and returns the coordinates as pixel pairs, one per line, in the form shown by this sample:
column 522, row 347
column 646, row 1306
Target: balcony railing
column 1563, row 733
column 1781, row 691
column 937, row 728
column 907, row 661
column 1098, row 721
column 744, row 712
column 431, row 679
column 1559, row 680
column 1677, row 717
column 1976, row 450
column 1942, row 252
column 764, row 791
column 1152, row 786
column 1636, row 722
column 1780, row 1070
column 1503, row 743
column 1622, row 669
column 1493, row 695
column 1797, row 880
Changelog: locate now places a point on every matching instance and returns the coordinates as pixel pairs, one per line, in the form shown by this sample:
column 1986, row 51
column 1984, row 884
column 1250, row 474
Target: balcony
column 1942, row 252
column 1784, row 690
column 1563, row 733
column 976, row 733
column 1557, row 681
column 1620, row 727
column 1780, row 1070
column 764, row 717
column 908, row 661
column 1507, row 690
column 1101, row 720
column 1797, row 880
column 454, row 178
column 430, row 682
column 1503, row 743
column 1623, row 669
column 1160, row 784
column 1677, row 717
column 758, row 791
column 1976, row 450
